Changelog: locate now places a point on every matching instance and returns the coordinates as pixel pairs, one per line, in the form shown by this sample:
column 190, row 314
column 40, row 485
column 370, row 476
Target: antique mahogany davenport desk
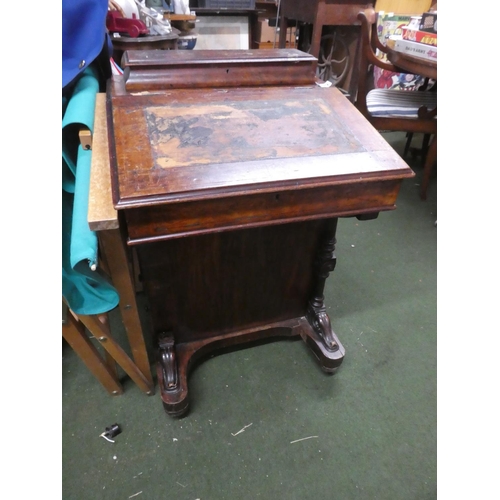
column 230, row 170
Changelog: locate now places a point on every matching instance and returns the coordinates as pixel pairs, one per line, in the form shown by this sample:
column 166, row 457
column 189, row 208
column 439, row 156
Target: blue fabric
column 83, row 35
column 85, row 290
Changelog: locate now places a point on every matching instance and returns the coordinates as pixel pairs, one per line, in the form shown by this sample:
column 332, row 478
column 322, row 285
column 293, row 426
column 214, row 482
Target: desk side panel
column 201, row 286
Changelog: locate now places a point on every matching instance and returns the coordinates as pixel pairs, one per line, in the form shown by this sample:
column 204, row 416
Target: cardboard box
column 419, row 36
column 416, row 49
column 428, row 22
column 389, row 24
column 272, row 45
column 265, row 33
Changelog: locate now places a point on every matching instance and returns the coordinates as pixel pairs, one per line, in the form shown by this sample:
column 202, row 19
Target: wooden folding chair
column 103, row 367
column 117, row 261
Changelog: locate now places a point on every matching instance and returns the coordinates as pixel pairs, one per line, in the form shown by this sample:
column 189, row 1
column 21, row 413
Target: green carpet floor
column 367, row 432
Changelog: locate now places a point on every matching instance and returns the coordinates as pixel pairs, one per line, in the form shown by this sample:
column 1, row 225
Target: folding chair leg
column 102, row 332
column 74, row 333
column 112, row 244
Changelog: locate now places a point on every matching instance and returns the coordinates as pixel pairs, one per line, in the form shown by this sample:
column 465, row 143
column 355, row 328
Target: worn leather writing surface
column 238, row 131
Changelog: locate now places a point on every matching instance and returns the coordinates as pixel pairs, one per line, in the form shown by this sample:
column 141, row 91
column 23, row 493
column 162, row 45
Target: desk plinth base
column 225, row 289
column 176, row 360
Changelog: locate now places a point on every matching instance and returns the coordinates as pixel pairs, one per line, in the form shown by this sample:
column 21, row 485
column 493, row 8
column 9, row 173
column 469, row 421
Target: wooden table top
column 146, row 42
column 412, row 64
column 127, row 40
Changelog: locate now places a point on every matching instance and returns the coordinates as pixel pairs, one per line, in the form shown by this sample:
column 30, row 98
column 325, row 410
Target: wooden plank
column 179, row 17
column 416, row 7
column 101, row 213
column 73, row 331
column 102, row 332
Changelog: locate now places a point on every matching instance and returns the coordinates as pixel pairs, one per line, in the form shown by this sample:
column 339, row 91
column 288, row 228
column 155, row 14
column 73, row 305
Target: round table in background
column 161, row 42
column 412, row 64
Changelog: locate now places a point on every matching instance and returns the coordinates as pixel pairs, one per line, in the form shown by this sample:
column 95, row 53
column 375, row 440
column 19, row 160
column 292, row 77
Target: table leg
column 429, row 164
column 316, row 39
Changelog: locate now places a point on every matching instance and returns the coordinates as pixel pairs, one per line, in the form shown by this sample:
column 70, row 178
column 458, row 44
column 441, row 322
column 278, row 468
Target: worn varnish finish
column 231, row 195
column 210, row 68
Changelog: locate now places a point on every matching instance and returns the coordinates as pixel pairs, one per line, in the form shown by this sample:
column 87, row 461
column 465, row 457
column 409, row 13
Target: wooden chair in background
column 319, row 13
column 393, row 110
column 320, row 35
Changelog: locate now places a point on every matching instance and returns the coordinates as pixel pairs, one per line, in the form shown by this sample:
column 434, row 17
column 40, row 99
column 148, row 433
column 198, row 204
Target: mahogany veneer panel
column 164, row 70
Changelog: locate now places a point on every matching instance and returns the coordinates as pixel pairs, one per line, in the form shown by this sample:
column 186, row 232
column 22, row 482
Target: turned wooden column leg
column 316, row 310
column 318, row 332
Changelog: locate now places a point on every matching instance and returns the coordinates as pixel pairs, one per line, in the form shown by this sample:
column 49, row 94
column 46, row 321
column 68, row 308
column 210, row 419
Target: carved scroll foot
column 319, row 320
column 171, row 378
column 329, row 359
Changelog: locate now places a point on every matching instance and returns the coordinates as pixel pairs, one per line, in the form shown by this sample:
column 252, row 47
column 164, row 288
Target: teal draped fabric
column 84, row 288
